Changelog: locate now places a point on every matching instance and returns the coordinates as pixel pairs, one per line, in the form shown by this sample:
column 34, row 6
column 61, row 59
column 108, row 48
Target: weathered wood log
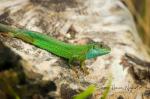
column 80, row 21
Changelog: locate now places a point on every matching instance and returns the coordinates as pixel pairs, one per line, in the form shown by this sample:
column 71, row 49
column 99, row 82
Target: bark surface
column 81, row 21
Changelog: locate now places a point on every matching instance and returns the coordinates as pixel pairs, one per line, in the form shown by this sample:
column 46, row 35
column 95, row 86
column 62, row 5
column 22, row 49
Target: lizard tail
column 7, row 30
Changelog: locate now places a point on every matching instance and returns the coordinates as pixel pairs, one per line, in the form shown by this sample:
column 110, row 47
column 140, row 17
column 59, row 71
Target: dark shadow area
column 14, row 84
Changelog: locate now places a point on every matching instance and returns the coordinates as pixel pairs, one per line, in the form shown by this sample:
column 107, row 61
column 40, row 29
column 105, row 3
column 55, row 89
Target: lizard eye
column 101, row 45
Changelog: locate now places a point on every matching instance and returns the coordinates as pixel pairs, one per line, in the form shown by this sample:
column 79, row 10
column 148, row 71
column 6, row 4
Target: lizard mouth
column 107, row 51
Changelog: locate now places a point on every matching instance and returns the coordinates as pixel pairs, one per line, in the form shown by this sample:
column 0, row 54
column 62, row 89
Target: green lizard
column 68, row 51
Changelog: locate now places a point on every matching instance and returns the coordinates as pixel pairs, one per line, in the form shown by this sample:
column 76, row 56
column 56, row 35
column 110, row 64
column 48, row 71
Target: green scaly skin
column 69, row 51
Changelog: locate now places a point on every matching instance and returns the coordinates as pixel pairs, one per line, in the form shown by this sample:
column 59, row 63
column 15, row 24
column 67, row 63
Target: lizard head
column 97, row 49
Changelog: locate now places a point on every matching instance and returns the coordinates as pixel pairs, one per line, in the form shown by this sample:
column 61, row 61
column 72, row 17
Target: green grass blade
column 105, row 94
column 86, row 93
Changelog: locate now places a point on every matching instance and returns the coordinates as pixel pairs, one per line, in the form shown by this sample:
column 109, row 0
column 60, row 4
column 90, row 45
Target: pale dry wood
column 79, row 21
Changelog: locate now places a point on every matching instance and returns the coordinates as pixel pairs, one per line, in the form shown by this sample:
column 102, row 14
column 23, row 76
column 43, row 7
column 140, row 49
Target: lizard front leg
column 83, row 67
column 71, row 60
column 82, row 63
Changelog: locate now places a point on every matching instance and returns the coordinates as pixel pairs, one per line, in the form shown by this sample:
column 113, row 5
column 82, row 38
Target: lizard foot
column 85, row 70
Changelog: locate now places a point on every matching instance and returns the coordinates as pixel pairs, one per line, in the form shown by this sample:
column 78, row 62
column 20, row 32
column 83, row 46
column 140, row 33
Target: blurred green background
column 141, row 12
